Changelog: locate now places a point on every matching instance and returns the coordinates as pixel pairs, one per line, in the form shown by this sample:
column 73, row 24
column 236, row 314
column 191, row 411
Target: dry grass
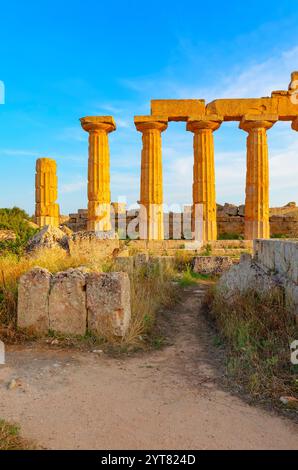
column 10, row 438
column 258, row 330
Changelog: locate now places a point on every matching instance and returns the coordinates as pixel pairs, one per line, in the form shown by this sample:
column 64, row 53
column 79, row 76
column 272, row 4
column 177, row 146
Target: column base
column 151, row 222
column 256, row 229
column 99, row 217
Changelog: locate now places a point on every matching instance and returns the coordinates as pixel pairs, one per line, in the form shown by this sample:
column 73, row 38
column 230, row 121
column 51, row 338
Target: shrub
column 258, row 330
column 18, row 221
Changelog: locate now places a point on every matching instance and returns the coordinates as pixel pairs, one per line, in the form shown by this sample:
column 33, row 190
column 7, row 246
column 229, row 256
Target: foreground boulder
column 33, row 299
column 67, row 303
column 48, row 237
column 108, row 303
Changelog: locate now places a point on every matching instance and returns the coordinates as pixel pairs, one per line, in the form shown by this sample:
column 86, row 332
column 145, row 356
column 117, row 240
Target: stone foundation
column 230, row 221
column 74, row 302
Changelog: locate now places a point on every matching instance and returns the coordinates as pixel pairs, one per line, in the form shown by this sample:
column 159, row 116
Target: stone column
column 151, row 198
column 203, row 189
column 46, row 193
column 99, row 194
column 257, row 175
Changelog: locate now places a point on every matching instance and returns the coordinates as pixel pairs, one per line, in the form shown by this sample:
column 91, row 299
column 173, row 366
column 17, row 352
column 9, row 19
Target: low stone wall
column 74, row 302
column 212, row 265
column 274, row 264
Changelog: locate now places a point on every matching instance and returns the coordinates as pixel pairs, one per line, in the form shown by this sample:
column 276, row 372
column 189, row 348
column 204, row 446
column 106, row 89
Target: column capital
column 98, row 124
column 295, row 124
column 201, row 122
column 250, row 122
column 148, row 123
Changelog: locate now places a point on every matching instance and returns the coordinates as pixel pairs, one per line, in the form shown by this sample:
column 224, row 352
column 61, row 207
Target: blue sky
column 60, row 61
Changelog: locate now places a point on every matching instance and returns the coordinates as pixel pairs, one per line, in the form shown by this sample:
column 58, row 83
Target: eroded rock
column 108, row 303
column 33, row 297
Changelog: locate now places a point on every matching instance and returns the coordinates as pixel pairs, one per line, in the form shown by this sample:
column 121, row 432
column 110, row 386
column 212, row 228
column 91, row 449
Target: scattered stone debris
column 14, row 383
column 290, row 402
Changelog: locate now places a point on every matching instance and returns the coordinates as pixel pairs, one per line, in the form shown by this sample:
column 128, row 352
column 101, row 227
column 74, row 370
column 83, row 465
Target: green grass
column 10, row 438
column 207, row 250
column 230, row 236
column 190, row 278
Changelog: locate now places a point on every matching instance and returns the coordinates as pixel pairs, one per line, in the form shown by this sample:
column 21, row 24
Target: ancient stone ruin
column 74, row 302
column 255, row 116
column 274, row 264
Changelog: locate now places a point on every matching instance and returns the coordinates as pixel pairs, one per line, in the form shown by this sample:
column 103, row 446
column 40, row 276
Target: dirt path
column 164, row 399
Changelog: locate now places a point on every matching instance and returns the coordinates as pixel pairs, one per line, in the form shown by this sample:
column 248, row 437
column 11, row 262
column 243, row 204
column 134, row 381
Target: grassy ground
column 10, row 438
column 257, row 331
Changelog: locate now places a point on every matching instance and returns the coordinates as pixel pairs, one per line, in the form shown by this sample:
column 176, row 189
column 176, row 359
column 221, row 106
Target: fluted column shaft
column 257, row 179
column 46, row 193
column 99, row 194
column 203, row 189
column 151, row 191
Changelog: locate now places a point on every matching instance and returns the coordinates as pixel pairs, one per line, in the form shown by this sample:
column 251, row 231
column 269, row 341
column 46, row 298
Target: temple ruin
column 255, row 116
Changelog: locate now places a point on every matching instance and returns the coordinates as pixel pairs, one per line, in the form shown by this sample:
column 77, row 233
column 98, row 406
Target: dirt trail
column 164, row 399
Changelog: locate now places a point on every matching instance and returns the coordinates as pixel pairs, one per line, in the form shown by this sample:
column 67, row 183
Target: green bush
column 18, row 221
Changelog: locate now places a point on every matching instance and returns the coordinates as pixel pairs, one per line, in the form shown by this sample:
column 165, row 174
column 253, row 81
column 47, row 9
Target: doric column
column 46, row 193
column 203, row 188
column 99, row 194
column 151, row 194
column 257, row 175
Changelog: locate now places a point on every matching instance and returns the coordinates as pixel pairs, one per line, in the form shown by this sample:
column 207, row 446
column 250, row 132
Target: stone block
column 177, row 110
column 33, row 300
column 124, row 263
column 108, row 303
column 211, row 264
column 67, row 303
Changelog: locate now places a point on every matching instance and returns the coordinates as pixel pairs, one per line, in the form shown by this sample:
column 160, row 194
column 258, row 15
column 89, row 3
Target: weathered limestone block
column 279, row 256
column 141, row 260
column 212, row 264
column 124, row 263
column 67, row 303
column 177, row 110
column 33, row 300
column 245, row 276
column 108, row 303
column 46, row 193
